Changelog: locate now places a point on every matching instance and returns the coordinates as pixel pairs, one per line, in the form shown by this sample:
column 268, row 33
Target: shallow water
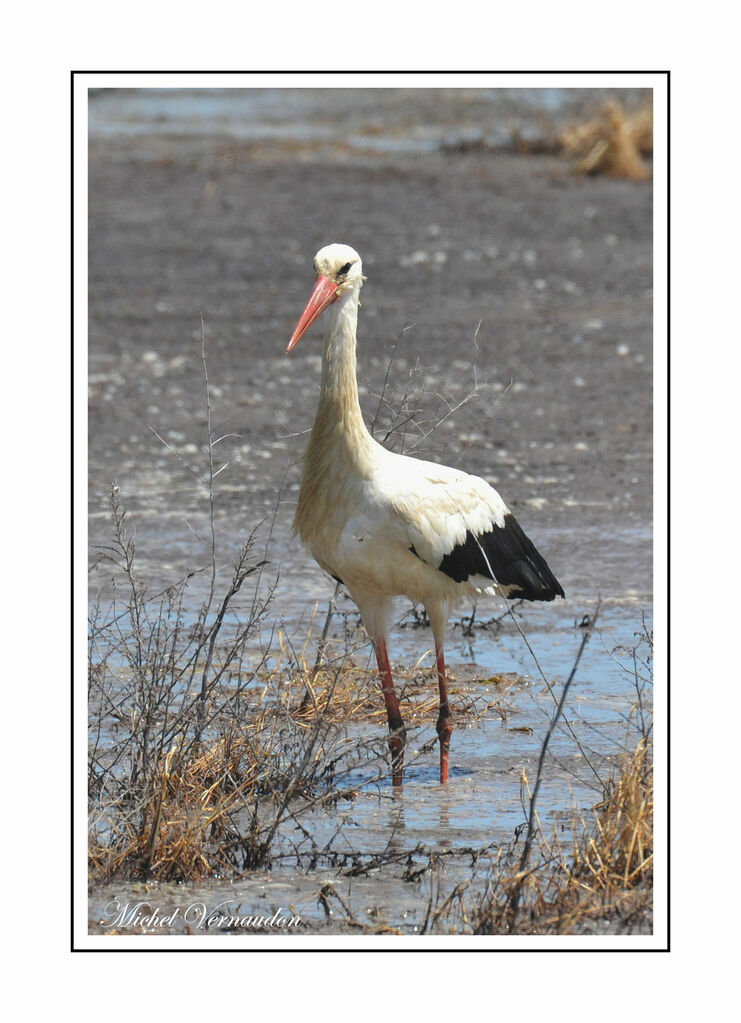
column 367, row 119
column 429, row 838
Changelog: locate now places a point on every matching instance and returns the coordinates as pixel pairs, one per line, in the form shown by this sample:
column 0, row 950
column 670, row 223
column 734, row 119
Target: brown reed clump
column 185, row 831
column 611, row 873
column 619, row 853
column 613, row 143
column 607, row 879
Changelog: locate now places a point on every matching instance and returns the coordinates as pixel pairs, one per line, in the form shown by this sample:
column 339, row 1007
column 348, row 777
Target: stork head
column 339, row 270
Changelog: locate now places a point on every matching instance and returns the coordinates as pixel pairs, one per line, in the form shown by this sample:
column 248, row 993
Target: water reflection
column 396, row 821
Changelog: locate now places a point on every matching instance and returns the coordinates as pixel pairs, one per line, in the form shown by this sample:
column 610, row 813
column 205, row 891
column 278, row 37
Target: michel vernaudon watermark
column 196, row 915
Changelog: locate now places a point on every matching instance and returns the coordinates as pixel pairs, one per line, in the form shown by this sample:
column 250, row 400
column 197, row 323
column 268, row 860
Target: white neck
column 340, row 447
column 339, row 391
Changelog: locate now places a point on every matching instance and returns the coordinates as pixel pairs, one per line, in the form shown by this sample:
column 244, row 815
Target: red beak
column 323, row 295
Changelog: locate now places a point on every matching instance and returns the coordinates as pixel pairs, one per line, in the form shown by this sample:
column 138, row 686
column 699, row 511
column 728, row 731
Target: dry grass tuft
column 608, row 875
column 613, row 143
column 353, row 694
column 186, row 829
column 619, row 854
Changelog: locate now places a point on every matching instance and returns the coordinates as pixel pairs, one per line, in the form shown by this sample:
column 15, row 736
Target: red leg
column 397, row 732
column 445, row 718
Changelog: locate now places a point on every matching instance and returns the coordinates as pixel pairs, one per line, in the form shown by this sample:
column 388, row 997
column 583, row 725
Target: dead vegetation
column 614, row 143
column 604, row 879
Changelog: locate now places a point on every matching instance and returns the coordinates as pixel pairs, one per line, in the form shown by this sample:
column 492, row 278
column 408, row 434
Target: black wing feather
column 506, row 555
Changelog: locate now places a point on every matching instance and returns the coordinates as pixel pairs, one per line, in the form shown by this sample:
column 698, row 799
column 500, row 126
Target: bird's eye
column 343, row 269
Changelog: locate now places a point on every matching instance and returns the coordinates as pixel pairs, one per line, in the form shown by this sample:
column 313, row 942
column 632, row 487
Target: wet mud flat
column 540, row 279
column 486, row 271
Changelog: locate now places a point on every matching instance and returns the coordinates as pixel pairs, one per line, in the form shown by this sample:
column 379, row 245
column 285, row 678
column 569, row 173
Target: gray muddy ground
column 485, row 270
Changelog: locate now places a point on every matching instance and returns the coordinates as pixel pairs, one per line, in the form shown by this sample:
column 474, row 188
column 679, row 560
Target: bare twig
column 531, row 815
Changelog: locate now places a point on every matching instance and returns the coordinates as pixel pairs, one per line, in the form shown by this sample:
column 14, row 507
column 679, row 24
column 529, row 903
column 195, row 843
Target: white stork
column 387, row 525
